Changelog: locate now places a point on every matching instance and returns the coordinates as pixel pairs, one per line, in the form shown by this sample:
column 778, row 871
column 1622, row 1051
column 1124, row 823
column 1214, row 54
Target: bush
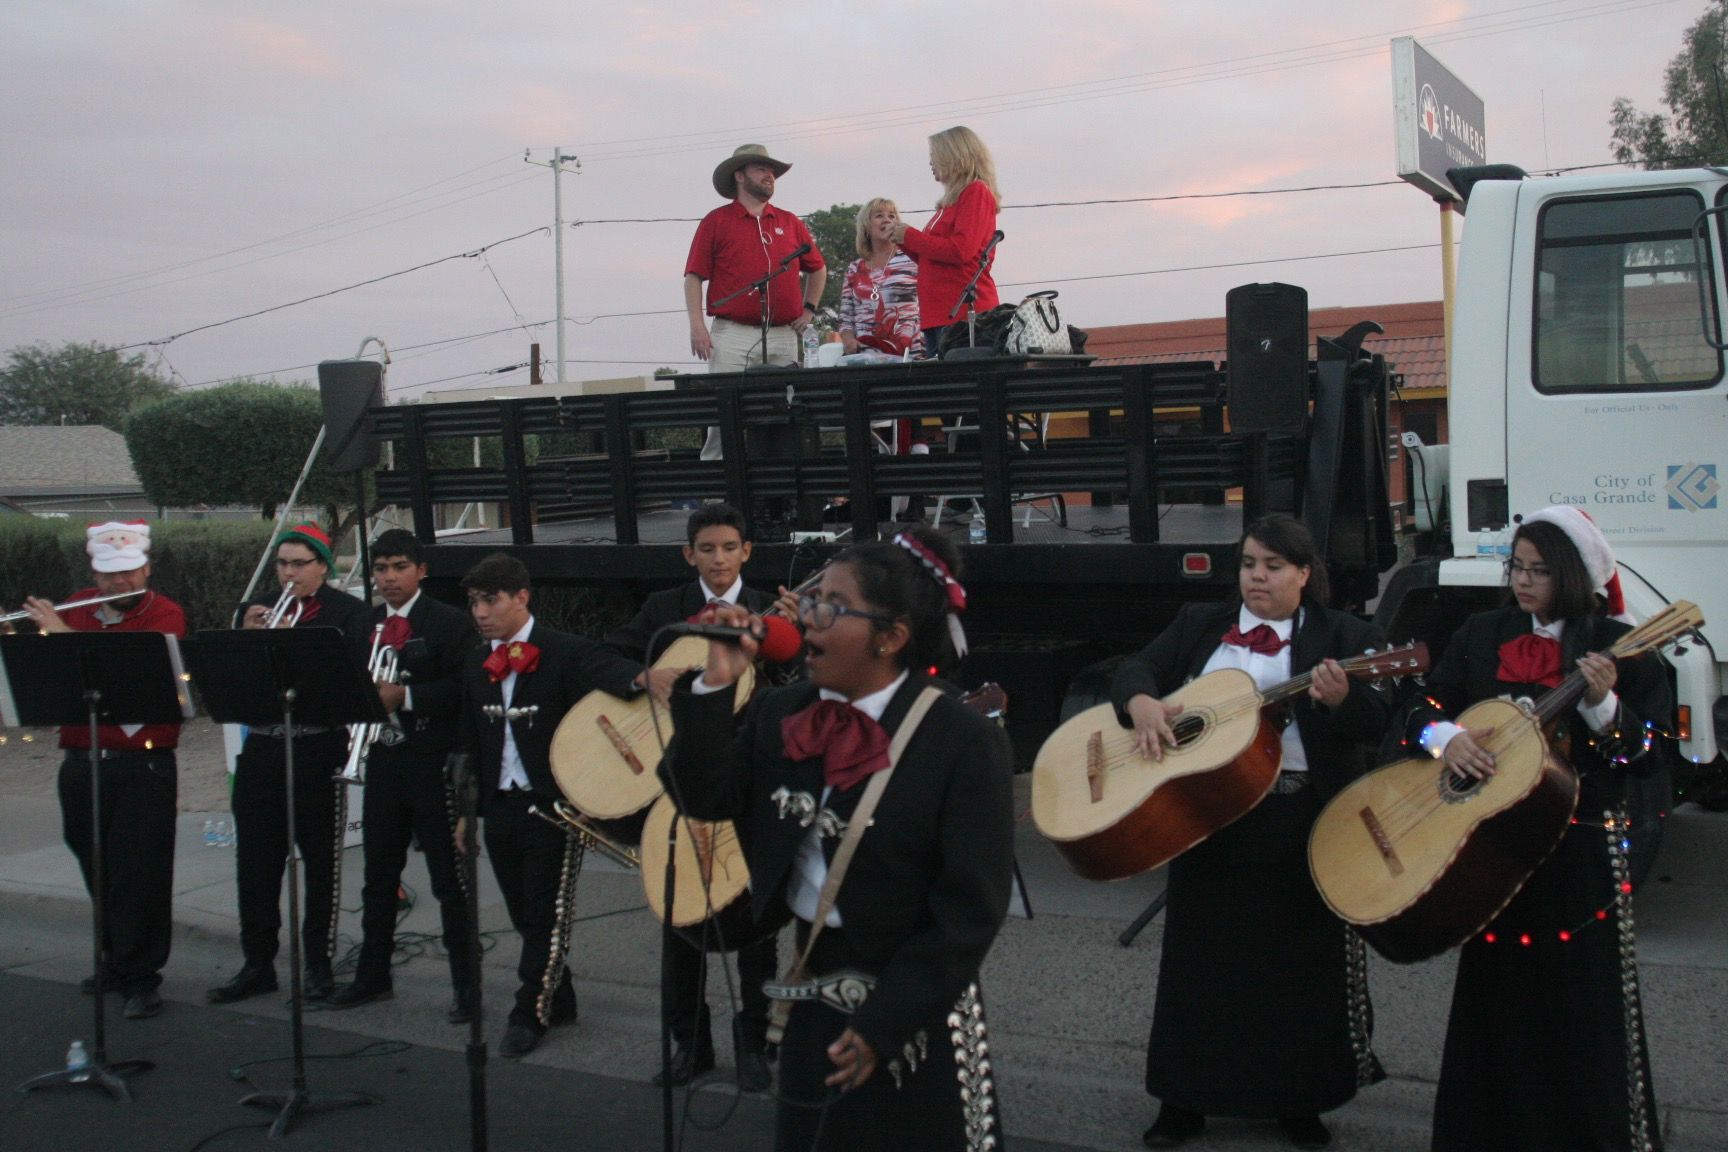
column 33, row 560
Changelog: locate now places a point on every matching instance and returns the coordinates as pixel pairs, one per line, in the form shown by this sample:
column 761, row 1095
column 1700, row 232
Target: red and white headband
column 951, row 588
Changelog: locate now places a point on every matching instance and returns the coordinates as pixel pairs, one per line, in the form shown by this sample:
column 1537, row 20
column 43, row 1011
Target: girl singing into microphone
column 886, row 1022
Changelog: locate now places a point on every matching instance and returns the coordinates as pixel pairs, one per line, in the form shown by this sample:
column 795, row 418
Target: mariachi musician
column 303, row 562
column 717, row 549
column 515, row 690
column 404, row 770
column 1262, row 1004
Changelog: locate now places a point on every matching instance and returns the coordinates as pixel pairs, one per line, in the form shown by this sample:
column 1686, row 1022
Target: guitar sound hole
column 1455, row 789
column 1188, row 729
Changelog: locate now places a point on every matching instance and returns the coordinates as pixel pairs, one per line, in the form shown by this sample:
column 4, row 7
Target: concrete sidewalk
column 1070, row 1007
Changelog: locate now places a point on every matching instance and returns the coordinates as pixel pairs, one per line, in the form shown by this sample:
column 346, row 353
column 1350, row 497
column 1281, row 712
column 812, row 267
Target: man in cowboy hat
column 138, row 774
column 741, row 241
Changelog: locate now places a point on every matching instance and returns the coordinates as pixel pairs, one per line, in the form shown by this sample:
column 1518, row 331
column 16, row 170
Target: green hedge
column 201, row 565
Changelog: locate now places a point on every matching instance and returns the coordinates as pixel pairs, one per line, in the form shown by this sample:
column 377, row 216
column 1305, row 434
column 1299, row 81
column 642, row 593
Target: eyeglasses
column 1536, row 572
column 291, row 565
column 821, row 614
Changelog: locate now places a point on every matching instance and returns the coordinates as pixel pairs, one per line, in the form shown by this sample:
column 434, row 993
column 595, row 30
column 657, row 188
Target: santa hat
column 118, row 546
column 1593, row 549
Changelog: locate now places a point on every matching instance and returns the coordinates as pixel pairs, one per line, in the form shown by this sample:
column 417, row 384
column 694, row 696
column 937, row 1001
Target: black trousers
column 261, row 835
column 404, row 798
column 139, row 802
column 684, row 987
column 527, row 857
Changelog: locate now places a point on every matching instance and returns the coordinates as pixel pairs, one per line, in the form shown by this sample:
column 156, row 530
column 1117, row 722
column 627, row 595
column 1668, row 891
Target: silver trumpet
column 287, row 612
column 383, row 666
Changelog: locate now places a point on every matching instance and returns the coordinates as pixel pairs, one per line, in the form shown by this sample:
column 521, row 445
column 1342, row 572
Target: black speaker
column 1266, row 328
column 347, row 389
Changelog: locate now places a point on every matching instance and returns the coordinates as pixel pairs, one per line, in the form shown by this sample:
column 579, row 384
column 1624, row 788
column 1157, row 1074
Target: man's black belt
column 280, row 731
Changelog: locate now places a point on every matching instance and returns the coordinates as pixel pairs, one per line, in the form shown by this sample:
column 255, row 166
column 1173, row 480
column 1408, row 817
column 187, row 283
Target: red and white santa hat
column 1593, row 549
column 118, row 545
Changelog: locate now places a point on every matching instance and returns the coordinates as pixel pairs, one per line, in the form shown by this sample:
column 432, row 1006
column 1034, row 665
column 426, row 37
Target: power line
column 1210, row 267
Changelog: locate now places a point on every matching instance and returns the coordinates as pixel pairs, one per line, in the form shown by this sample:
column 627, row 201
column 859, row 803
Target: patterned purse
column 1037, row 327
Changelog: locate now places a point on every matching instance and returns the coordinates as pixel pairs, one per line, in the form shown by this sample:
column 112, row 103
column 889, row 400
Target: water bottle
column 1486, row 547
column 1503, row 544
column 224, row 833
column 78, row 1062
column 977, row 532
column 212, row 838
column 812, row 342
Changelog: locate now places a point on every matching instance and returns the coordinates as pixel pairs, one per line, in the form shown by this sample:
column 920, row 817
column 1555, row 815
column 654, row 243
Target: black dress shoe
column 461, row 1008
column 319, row 981
column 1173, row 1128
column 519, row 1040
column 355, row 994
column 252, row 980
column 142, row 1005
column 688, row 1062
column 1306, row 1131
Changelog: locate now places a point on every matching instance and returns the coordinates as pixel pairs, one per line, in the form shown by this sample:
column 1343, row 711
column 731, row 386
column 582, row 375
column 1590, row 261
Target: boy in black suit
column 718, row 551
column 404, row 796
column 515, row 690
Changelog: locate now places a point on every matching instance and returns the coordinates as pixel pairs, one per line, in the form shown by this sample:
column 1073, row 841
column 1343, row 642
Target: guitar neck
column 1675, row 619
column 1405, row 661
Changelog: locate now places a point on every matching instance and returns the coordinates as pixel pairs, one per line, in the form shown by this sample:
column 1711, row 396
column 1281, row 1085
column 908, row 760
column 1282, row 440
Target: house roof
column 1414, row 340
column 55, row 459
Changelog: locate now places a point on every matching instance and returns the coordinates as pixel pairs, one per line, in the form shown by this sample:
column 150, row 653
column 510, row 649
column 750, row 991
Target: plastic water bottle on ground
column 78, row 1062
column 977, row 532
column 210, row 835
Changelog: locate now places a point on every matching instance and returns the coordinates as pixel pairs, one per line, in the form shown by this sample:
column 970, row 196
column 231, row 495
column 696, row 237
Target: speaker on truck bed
column 1266, row 337
column 347, row 388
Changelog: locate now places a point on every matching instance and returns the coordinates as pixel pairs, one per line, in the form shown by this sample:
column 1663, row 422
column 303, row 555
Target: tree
column 243, row 442
column 1696, row 94
column 76, row 384
column 835, row 230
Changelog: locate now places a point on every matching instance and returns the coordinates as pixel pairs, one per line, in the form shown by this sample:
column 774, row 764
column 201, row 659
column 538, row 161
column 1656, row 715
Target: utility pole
column 559, row 157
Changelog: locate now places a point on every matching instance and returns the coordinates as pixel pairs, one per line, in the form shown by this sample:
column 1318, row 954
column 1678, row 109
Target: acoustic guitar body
column 1113, row 813
column 711, row 881
column 606, row 750
column 1419, row 860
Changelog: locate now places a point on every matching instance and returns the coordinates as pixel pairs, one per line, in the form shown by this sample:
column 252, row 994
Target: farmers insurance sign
column 1437, row 121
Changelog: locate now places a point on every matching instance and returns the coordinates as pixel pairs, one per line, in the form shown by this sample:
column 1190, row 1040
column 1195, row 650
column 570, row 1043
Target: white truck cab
column 1587, row 370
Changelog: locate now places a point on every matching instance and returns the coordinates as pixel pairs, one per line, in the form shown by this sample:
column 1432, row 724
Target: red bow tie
column 852, row 745
column 397, row 632
column 517, row 656
column 1259, row 638
column 1530, row 659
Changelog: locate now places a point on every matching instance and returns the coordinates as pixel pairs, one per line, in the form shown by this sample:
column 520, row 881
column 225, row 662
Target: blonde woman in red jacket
column 949, row 246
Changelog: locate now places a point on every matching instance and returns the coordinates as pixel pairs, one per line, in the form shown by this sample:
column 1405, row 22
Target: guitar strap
column 782, row 1009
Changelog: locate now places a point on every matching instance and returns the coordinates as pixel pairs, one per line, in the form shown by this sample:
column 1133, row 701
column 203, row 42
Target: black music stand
column 459, row 768
column 288, row 676
column 93, row 678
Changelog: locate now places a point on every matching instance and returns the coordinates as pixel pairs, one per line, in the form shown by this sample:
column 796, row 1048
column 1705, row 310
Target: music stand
column 459, row 768
column 310, row 677
column 95, row 678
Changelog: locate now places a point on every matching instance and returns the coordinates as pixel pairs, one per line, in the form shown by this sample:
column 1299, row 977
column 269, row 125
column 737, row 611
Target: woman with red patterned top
column 879, row 294
column 949, row 247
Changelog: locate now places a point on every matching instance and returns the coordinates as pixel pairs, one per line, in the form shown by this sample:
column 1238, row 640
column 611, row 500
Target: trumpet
column 287, row 612
column 384, row 665
column 24, row 613
column 573, row 823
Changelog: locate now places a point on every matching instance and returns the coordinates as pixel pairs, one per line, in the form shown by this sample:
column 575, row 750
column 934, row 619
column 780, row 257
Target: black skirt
column 1262, row 1009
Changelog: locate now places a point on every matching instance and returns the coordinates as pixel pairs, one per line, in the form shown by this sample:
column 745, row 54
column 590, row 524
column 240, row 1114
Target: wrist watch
column 809, row 307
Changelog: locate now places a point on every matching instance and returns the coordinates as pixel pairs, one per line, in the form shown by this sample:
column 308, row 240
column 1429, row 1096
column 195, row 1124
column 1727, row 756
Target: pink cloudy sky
column 174, row 163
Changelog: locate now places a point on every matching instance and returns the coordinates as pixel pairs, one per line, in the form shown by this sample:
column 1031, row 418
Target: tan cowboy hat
column 745, row 154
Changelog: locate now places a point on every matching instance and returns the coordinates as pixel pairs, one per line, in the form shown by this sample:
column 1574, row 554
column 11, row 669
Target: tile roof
column 1414, row 340
column 54, row 459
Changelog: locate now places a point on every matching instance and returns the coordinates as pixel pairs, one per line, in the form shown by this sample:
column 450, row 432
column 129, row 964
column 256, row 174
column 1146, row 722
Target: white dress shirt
column 1268, row 672
column 407, row 693
column 810, row 869
column 513, row 776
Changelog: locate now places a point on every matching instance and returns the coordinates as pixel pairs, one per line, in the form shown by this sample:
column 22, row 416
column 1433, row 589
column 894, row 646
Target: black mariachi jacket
column 570, row 667
column 928, row 888
column 440, row 638
column 1334, row 740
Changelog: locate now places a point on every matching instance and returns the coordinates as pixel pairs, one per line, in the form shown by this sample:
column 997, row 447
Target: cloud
column 280, row 48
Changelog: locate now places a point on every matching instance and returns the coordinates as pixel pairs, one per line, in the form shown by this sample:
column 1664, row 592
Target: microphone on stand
column 795, row 253
column 778, row 640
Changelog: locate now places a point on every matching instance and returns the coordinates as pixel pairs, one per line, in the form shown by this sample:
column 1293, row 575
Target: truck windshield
column 1616, row 306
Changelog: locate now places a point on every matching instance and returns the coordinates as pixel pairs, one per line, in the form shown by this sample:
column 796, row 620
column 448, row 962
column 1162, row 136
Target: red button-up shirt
column 155, row 613
column 732, row 248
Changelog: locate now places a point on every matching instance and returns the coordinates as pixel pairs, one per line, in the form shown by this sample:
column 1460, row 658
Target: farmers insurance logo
column 1692, row 487
column 1430, row 112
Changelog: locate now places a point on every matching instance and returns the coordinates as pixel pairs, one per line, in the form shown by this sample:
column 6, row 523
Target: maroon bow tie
column 397, row 632
column 1259, row 638
column 1530, row 659
column 852, row 745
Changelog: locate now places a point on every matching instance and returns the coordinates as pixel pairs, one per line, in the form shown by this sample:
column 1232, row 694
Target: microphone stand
column 761, row 285
column 969, row 299
column 467, row 789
